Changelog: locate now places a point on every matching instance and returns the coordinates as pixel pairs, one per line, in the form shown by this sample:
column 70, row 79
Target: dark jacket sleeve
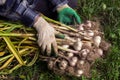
column 57, row 3
column 20, row 7
column 27, row 14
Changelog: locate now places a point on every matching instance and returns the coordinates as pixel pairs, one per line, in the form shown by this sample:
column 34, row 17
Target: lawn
column 108, row 13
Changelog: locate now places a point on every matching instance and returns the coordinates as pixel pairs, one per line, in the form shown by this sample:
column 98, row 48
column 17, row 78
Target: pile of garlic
column 79, row 50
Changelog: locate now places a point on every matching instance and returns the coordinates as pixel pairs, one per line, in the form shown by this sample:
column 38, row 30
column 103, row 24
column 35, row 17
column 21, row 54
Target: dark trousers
column 46, row 8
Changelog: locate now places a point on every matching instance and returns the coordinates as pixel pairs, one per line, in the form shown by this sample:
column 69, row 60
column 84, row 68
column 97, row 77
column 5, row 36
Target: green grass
column 108, row 13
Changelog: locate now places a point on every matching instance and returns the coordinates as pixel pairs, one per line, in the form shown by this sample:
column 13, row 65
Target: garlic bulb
column 50, row 64
column 69, row 38
column 79, row 73
column 105, row 45
column 63, row 64
column 78, row 44
column 90, row 33
column 81, row 28
column 81, row 62
column 84, row 33
column 85, row 52
column 73, row 61
column 87, row 44
column 97, row 40
column 89, row 24
column 69, row 55
column 99, row 51
column 65, row 46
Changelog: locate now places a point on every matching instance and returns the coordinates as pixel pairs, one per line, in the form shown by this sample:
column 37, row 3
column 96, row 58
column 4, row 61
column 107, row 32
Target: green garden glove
column 67, row 15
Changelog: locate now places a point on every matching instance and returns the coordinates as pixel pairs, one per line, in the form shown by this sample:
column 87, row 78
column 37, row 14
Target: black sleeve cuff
column 28, row 17
column 27, row 14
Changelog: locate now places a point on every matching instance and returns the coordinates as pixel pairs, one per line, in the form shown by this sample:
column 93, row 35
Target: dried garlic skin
column 69, row 55
column 78, row 45
column 63, row 64
column 73, row 61
column 97, row 41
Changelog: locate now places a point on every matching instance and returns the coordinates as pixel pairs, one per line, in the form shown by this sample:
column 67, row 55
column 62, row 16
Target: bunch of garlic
column 80, row 52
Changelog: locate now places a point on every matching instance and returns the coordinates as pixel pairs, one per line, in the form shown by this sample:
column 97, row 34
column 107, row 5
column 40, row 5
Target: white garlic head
column 79, row 72
column 69, row 55
column 78, row 44
column 97, row 40
column 89, row 24
column 81, row 28
column 73, row 61
column 63, row 64
column 100, row 52
column 84, row 53
column 90, row 33
column 69, row 38
column 65, row 46
column 81, row 62
column 50, row 64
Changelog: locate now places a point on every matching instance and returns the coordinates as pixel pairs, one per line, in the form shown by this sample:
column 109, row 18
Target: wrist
column 40, row 22
column 59, row 8
column 37, row 18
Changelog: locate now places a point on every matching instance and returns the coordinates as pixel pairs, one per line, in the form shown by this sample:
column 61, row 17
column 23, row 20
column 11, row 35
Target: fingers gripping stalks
column 46, row 37
column 67, row 15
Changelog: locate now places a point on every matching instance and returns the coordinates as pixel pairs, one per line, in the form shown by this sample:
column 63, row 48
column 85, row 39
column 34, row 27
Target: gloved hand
column 67, row 15
column 2, row 2
column 46, row 37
